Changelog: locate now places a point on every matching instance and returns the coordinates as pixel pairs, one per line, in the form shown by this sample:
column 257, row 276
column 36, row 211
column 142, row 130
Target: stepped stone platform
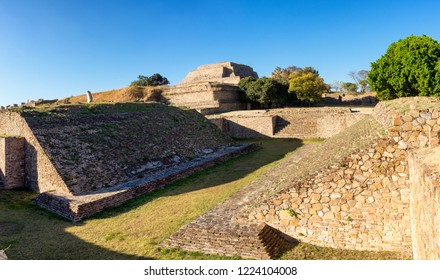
column 223, row 72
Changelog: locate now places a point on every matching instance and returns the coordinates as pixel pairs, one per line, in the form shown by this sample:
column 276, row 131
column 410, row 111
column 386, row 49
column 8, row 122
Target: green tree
column 306, row 85
column 154, row 80
column 410, row 67
column 264, row 90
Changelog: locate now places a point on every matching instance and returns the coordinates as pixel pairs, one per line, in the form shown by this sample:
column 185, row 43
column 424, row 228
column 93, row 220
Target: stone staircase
column 229, row 238
column 299, row 127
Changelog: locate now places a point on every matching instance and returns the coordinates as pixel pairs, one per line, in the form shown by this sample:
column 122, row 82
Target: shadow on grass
column 33, row 233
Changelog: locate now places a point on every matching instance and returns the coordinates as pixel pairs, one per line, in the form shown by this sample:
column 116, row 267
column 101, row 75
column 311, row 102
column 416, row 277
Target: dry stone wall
column 362, row 204
column 412, row 122
column 425, row 203
column 207, row 97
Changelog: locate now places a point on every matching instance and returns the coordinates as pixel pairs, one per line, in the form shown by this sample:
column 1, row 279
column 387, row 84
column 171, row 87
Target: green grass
column 305, row 251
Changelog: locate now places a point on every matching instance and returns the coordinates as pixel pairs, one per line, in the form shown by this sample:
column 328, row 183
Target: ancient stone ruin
column 211, row 88
column 222, row 73
column 378, row 192
column 82, row 159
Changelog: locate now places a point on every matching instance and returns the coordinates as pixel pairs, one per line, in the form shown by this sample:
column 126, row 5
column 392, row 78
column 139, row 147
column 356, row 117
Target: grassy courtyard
column 135, row 229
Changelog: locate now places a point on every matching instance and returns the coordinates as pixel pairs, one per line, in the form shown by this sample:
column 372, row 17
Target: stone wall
column 289, row 122
column 413, row 122
column 41, row 174
column 367, row 202
column 207, row 97
column 12, row 162
column 362, row 204
column 246, row 127
column 425, row 203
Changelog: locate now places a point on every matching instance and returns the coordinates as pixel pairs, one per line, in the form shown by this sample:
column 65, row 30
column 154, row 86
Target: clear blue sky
column 59, row 48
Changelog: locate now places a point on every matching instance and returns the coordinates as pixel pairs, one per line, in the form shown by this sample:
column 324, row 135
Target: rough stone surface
column 425, row 203
column 73, row 151
column 12, row 162
column 224, row 72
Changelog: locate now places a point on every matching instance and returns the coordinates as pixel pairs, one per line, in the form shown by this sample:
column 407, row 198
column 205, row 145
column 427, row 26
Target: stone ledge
column 75, row 208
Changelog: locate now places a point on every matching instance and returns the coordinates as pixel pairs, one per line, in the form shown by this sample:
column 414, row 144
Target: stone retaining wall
column 245, row 127
column 289, row 122
column 362, row 204
column 425, row 203
column 413, row 122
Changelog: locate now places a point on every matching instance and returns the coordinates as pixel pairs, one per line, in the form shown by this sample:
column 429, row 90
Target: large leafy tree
column 264, row 90
column 410, row 67
column 307, row 85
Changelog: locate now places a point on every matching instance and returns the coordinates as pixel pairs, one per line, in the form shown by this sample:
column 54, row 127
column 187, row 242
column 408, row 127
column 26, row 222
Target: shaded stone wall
column 289, row 122
column 12, row 162
column 41, row 175
column 244, row 127
column 425, row 203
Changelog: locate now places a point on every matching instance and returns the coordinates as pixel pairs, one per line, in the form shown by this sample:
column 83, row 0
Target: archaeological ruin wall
column 289, row 122
column 84, row 158
column 367, row 201
column 425, row 203
column 374, row 186
column 40, row 174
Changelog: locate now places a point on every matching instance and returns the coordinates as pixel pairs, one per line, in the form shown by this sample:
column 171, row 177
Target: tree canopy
column 264, row 90
column 307, row 85
column 410, row 67
column 154, row 80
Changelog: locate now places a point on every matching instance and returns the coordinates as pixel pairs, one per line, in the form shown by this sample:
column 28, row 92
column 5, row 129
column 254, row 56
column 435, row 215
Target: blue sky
column 59, row 48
